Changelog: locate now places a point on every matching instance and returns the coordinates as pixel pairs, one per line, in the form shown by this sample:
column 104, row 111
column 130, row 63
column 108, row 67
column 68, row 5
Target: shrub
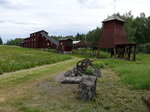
column 89, row 71
column 98, row 64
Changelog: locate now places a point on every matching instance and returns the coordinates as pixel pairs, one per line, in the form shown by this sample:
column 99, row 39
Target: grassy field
column 37, row 90
column 16, row 58
column 136, row 74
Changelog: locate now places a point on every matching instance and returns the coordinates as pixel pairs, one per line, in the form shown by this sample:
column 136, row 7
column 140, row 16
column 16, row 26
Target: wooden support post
column 134, row 54
column 129, row 53
column 112, row 52
column 124, row 51
column 98, row 53
column 115, row 54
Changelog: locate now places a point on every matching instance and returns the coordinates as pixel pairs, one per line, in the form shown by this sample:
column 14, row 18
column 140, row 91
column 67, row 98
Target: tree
column 142, row 26
column 80, row 37
column 94, row 35
column 16, row 41
column 129, row 28
column 1, row 42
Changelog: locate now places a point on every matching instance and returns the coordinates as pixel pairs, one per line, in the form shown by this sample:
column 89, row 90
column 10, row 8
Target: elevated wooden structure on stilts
column 114, row 38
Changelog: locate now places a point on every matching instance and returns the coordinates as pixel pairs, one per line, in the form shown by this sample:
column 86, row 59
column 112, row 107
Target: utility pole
column 114, row 6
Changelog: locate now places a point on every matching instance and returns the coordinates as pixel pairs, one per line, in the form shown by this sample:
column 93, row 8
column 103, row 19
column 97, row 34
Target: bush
column 144, row 48
column 98, row 64
column 89, row 71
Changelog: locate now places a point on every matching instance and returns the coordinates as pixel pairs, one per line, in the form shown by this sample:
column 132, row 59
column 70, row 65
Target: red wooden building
column 113, row 37
column 42, row 40
column 66, row 45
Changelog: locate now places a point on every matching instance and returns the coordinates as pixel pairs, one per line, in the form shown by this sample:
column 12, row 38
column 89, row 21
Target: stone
column 97, row 73
column 68, row 73
column 72, row 80
column 87, row 87
column 86, row 83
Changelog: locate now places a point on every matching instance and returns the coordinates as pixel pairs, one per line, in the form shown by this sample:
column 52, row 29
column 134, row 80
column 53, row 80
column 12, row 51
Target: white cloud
column 60, row 17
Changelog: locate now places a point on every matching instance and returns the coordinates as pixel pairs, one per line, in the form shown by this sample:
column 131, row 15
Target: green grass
column 89, row 54
column 20, row 84
column 136, row 74
column 51, row 96
column 36, row 90
column 16, row 58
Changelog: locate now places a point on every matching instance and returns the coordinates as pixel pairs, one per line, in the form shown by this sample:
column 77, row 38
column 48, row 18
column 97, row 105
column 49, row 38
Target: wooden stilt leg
column 115, row 54
column 129, row 53
column 112, row 53
column 134, row 54
column 98, row 53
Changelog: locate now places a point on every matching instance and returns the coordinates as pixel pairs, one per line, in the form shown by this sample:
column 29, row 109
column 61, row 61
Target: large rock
column 87, row 87
column 72, row 80
column 87, row 83
column 97, row 72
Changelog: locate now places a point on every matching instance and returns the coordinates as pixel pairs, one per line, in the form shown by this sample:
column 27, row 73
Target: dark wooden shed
column 114, row 37
column 66, row 45
column 113, row 32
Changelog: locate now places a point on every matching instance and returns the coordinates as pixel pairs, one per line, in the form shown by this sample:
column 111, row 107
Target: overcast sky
column 19, row 18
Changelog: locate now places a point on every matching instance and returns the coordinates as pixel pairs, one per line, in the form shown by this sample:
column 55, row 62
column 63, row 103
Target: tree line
column 137, row 31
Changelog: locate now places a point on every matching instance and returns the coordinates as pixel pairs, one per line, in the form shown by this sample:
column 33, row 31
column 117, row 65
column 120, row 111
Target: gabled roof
column 50, row 38
column 40, row 32
column 113, row 17
column 62, row 39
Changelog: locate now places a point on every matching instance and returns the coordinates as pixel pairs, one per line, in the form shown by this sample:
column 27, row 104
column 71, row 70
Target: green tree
column 16, row 41
column 1, row 41
column 94, row 35
column 142, row 26
column 80, row 37
column 129, row 26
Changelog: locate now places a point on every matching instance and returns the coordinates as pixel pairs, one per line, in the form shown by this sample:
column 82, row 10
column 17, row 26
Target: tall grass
column 16, row 58
column 81, row 53
column 136, row 73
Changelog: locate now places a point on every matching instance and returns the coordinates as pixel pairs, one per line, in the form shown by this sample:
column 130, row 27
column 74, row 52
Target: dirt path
column 14, row 84
column 114, row 96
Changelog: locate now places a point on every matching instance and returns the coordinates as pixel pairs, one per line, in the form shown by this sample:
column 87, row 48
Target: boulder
column 87, row 87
